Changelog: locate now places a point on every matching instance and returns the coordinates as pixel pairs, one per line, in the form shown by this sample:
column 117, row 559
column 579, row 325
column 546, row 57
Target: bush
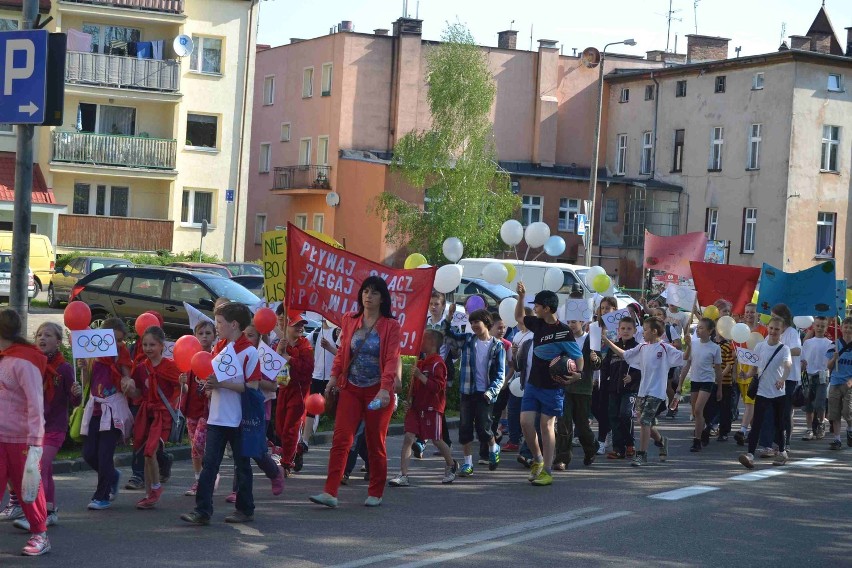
column 159, row 258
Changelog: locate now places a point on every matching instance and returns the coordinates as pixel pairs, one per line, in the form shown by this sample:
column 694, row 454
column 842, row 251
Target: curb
column 182, row 452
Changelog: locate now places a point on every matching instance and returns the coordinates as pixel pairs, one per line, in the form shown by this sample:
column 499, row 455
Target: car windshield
column 5, row 263
column 224, row 288
column 98, row 264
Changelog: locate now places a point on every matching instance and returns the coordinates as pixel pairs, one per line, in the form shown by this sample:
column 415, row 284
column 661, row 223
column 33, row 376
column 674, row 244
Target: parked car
column 205, row 266
column 127, row 291
column 252, row 282
column 243, row 268
column 493, row 294
column 64, row 280
column 6, row 279
column 42, row 257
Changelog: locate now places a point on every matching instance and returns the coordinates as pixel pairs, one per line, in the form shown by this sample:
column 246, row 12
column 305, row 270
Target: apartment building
column 153, row 140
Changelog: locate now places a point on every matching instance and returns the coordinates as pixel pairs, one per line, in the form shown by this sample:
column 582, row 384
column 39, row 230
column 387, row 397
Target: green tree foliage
column 454, row 163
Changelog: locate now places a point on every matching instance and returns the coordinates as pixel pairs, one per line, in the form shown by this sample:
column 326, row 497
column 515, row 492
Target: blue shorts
column 545, row 401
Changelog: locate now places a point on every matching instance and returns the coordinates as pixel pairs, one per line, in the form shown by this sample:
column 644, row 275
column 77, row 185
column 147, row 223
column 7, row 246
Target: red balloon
column 185, row 348
column 315, row 404
column 77, row 315
column 265, row 320
column 145, row 321
column 202, row 364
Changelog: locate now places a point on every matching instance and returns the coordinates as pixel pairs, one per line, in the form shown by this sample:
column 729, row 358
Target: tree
column 454, row 163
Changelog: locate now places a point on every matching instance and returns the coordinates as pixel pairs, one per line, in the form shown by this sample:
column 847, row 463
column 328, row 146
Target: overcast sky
column 753, row 24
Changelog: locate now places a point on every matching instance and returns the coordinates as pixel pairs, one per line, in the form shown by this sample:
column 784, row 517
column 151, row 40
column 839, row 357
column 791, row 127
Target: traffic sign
column 581, row 225
column 23, row 76
column 229, row 196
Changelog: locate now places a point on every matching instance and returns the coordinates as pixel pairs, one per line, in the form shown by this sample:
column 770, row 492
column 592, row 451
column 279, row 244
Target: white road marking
column 683, row 492
column 812, row 462
column 246, row 530
column 756, row 475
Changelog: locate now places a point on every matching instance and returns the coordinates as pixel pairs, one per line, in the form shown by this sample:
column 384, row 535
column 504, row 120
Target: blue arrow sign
column 23, row 76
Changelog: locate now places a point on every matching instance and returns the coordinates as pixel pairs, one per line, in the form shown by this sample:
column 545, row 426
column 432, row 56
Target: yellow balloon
column 764, row 318
column 510, row 268
column 848, row 297
column 711, row 312
column 324, row 238
column 754, row 297
column 601, row 283
column 415, row 260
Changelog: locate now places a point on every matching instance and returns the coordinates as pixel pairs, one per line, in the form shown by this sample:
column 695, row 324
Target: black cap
column 547, row 299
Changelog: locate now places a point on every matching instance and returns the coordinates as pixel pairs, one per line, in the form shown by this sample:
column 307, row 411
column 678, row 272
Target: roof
column 43, row 5
column 41, row 193
column 574, row 173
column 822, row 25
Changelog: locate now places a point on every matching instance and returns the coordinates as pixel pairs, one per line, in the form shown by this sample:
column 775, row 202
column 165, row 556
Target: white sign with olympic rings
column 92, row 343
column 271, row 362
column 226, row 365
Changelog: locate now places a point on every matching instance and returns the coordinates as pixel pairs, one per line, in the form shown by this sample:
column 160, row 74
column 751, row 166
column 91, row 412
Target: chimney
column 296, row 40
column 381, row 31
column 800, row 42
column 821, row 42
column 701, row 48
column 346, row 26
column 507, row 39
column 679, row 58
column 407, row 26
column 848, row 42
column 547, row 44
column 654, row 55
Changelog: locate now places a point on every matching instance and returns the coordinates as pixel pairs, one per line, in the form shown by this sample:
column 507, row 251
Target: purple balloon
column 474, row 303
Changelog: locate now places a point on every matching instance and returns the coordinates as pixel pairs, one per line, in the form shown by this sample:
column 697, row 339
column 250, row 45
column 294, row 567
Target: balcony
column 165, row 6
column 101, row 70
column 114, row 233
column 106, row 150
column 306, row 179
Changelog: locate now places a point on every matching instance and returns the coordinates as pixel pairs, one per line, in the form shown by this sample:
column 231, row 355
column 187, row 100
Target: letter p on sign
column 11, row 73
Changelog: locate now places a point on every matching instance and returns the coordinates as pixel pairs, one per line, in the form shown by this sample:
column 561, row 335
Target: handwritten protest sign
column 274, row 265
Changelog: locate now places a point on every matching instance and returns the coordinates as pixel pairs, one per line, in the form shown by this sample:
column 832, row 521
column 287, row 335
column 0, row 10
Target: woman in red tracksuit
column 293, row 389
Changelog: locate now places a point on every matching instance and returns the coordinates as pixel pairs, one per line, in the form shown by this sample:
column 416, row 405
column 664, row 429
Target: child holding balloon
column 293, row 390
column 197, row 402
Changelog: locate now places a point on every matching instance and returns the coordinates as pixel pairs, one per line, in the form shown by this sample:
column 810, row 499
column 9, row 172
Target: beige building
column 152, row 139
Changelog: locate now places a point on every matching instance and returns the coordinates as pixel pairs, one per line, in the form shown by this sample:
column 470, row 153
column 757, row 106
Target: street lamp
column 593, row 181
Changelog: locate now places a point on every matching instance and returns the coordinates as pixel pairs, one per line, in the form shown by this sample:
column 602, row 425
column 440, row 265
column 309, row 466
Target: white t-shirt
column 654, row 360
column 225, row 405
column 581, row 341
column 813, row 353
column 679, row 319
column 704, row 356
column 791, row 339
column 482, row 365
column 774, row 371
column 323, row 360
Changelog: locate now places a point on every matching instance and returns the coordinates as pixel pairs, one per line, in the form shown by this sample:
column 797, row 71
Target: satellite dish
column 332, row 199
column 590, row 57
column 183, row 45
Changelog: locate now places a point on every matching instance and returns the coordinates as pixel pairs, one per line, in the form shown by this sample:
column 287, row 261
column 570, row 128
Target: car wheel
column 37, row 287
column 98, row 318
column 51, row 297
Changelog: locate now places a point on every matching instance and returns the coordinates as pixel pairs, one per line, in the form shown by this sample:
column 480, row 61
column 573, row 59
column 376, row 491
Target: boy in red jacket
column 293, row 389
column 426, row 400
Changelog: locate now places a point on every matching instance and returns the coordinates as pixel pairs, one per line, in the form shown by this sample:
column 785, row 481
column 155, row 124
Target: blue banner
column 841, row 298
column 811, row 292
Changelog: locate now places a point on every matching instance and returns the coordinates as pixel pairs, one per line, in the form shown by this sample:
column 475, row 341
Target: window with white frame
column 646, row 164
column 265, row 158
column 285, row 131
column 259, row 227
column 611, row 210
column 301, row 221
column 530, row 209
column 8, row 25
column 625, row 95
column 835, row 82
column 754, row 139
column 202, row 131
column 269, row 90
column 101, row 200
column 621, row 155
column 649, row 92
column 568, row 210
column 7, row 129
column 326, row 79
column 319, row 222
column 717, row 141
column 305, row 152
column 711, row 223
column 206, row 57
column 825, row 234
column 830, row 148
column 322, row 150
column 749, row 229
column 757, row 81
column 196, row 206
column 307, row 82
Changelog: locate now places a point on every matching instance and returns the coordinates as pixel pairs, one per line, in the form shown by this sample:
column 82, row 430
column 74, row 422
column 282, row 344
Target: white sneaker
column 601, row 448
column 747, row 460
column 780, row 459
column 399, row 481
column 22, row 524
column 373, row 501
column 52, row 518
column 11, row 512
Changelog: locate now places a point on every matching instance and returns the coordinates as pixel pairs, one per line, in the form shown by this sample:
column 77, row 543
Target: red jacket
column 166, row 375
column 389, row 338
column 432, row 395
column 301, row 364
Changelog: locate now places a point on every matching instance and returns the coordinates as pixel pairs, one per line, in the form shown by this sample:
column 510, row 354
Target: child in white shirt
column 814, row 363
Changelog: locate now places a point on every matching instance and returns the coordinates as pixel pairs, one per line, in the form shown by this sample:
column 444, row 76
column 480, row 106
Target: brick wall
column 507, row 39
column 706, row 48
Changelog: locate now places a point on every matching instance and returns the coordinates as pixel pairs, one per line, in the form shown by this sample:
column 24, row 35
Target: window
column 196, row 206
column 186, row 289
column 530, row 209
column 568, row 210
column 680, row 88
column 259, row 228
column 319, row 222
column 720, row 84
column 111, row 40
column 207, row 55
column 326, row 79
column 625, row 95
column 749, row 229
column 106, row 119
column 7, row 129
column 621, row 155
column 103, row 200
column 322, row 150
column 711, row 223
column 269, row 91
column 757, row 81
column 834, row 82
column 265, row 158
column 302, row 221
column 830, row 148
column 646, row 164
column 716, row 143
column 825, row 234
column 305, row 152
column 611, row 210
column 7, row 25
column 202, row 131
column 308, row 82
column 677, row 159
column 285, row 131
column 146, row 284
column 754, row 139
column 649, row 92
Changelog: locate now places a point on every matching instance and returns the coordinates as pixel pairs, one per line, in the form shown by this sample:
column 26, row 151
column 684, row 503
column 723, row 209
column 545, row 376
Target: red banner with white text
column 326, row 280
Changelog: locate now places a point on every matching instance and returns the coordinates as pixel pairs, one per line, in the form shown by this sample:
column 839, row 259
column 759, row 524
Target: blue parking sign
column 23, row 76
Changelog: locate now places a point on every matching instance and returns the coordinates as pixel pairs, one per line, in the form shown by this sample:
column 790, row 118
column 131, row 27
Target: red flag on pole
column 673, row 254
column 726, row 281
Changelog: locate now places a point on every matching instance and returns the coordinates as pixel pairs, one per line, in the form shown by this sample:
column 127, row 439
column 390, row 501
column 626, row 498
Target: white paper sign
column 460, row 319
column 91, row 343
column 262, row 304
column 226, row 365
column 680, row 296
column 747, row 356
column 612, row 319
column 270, row 361
column 169, row 349
column 195, row 316
column 595, row 337
column 576, row 310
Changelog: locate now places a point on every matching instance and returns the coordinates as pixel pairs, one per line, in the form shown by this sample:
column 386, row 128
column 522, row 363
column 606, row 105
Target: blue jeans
column 217, row 437
column 767, row 433
column 514, row 413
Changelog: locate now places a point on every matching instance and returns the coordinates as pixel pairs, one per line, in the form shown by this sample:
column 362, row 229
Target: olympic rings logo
column 225, row 365
column 749, row 357
column 96, row 343
column 270, row 363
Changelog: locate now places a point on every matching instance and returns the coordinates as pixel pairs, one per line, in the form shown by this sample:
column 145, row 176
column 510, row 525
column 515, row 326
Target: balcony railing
column 113, row 150
column 167, row 6
column 114, row 233
column 301, row 177
column 122, row 72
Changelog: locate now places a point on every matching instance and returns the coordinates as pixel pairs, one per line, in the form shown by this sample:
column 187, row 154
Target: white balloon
column 495, row 273
column 453, row 249
column 537, row 234
column 515, row 387
column 724, row 326
column 740, row 333
column 512, row 232
column 803, row 322
column 507, row 311
column 553, row 279
column 459, row 268
column 447, row 279
column 591, row 273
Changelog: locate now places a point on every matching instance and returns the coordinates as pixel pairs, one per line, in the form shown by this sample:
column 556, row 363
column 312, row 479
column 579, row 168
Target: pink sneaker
column 37, row 545
column 193, row 490
column 232, row 498
column 278, row 482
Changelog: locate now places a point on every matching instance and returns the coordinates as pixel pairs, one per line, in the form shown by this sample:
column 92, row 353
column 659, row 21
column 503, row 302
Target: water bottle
column 375, row 404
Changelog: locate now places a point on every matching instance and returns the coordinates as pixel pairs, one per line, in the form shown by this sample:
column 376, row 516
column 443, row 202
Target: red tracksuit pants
column 13, row 458
column 289, row 413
